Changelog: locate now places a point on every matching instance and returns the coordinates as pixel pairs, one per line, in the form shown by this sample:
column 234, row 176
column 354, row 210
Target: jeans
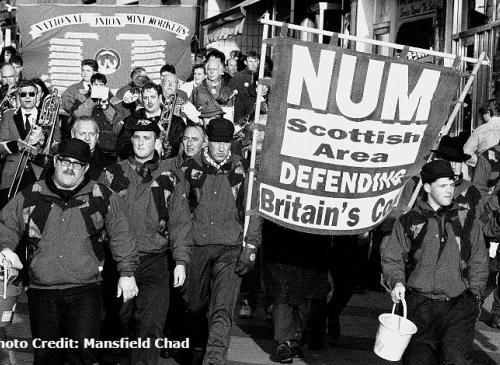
column 74, row 313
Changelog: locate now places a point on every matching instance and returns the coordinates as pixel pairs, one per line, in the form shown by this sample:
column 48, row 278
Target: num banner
column 56, row 38
column 345, row 131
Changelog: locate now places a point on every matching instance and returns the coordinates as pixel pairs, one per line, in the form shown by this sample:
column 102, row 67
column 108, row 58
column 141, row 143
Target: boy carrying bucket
column 436, row 259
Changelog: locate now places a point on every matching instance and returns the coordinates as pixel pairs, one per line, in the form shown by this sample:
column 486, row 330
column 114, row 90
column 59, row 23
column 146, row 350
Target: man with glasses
column 66, row 214
column 87, row 130
column 159, row 215
column 20, row 124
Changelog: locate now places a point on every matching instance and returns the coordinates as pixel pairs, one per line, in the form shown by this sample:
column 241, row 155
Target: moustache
column 69, row 172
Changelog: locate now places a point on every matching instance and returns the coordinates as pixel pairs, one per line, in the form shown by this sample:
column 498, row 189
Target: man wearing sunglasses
column 67, row 214
column 20, row 124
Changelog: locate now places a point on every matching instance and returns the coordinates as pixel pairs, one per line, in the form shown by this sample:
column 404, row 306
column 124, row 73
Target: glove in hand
column 246, row 261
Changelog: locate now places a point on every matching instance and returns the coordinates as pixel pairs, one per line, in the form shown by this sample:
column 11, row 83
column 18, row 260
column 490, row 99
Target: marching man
column 158, row 212
column 436, row 260
column 64, row 218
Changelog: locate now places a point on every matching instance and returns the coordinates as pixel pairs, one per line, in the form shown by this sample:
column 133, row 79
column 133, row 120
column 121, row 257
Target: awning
column 225, row 31
column 235, row 13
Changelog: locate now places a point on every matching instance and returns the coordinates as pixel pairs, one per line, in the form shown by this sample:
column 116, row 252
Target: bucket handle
column 403, row 302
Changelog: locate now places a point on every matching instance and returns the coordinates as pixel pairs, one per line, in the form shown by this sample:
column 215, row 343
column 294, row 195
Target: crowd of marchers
column 126, row 220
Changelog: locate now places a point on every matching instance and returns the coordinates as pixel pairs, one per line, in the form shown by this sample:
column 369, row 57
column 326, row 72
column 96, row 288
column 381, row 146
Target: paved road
column 252, row 343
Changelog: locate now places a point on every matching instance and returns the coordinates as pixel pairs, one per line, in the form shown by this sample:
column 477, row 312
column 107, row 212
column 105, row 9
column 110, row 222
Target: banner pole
column 255, row 131
column 446, row 128
column 375, row 42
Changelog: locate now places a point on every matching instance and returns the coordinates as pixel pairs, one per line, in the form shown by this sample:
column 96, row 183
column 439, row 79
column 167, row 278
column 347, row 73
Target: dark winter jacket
column 64, row 239
column 439, row 254
column 157, row 206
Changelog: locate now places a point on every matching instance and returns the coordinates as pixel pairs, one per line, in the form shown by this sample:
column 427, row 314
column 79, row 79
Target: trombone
column 47, row 121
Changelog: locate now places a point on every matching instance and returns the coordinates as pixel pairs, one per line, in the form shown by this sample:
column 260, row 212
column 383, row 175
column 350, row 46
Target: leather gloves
column 246, row 261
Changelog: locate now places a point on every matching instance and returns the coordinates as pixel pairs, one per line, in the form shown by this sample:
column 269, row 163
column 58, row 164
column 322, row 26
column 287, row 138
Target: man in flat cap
column 216, row 181
column 64, row 218
column 158, row 213
column 436, row 259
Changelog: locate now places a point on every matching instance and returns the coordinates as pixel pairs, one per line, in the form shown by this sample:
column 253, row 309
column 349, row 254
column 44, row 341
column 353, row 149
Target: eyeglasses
column 31, row 94
column 8, row 76
column 73, row 164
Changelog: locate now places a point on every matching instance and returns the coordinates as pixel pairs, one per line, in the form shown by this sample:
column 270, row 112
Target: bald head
column 8, row 73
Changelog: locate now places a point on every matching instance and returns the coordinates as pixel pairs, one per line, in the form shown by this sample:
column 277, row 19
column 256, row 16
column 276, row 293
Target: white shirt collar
column 33, row 114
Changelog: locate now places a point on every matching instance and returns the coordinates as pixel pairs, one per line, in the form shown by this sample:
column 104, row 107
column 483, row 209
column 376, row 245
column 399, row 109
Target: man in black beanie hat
column 436, row 260
column 216, row 182
column 67, row 215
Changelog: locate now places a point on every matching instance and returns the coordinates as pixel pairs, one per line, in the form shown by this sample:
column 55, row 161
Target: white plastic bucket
column 11, row 292
column 394, row 334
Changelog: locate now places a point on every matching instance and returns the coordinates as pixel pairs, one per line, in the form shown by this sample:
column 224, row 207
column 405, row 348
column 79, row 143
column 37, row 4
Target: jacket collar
column 42, row 188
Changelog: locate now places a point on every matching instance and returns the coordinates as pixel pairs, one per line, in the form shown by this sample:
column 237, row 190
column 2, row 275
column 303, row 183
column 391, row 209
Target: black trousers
column 346, row 266
column 74, row 313
column 289, row 322
column 144, row 316
column 445, row 332
column 213, row 288
column 493, row 285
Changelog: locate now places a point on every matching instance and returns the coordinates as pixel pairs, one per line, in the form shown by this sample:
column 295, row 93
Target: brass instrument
column 47, row 121
column 166, row 118
column 6, row 98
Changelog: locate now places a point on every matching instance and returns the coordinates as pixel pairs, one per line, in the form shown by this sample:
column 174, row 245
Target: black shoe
column 297, row 352
column 282, row 355
column 334, row 328
column 494, row 321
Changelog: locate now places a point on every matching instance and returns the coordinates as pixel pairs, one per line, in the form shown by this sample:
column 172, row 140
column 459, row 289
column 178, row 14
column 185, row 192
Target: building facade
column 462, row 27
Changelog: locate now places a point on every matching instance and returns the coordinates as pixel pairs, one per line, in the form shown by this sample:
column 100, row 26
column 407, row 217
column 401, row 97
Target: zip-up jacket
column 64, row 239
column 157, row 208
column 217, row 202
column 439, row 254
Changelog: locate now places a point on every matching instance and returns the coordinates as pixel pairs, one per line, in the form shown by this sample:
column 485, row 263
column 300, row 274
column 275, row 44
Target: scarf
column 196, row 175
column 65, row 195
column 145, row 169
